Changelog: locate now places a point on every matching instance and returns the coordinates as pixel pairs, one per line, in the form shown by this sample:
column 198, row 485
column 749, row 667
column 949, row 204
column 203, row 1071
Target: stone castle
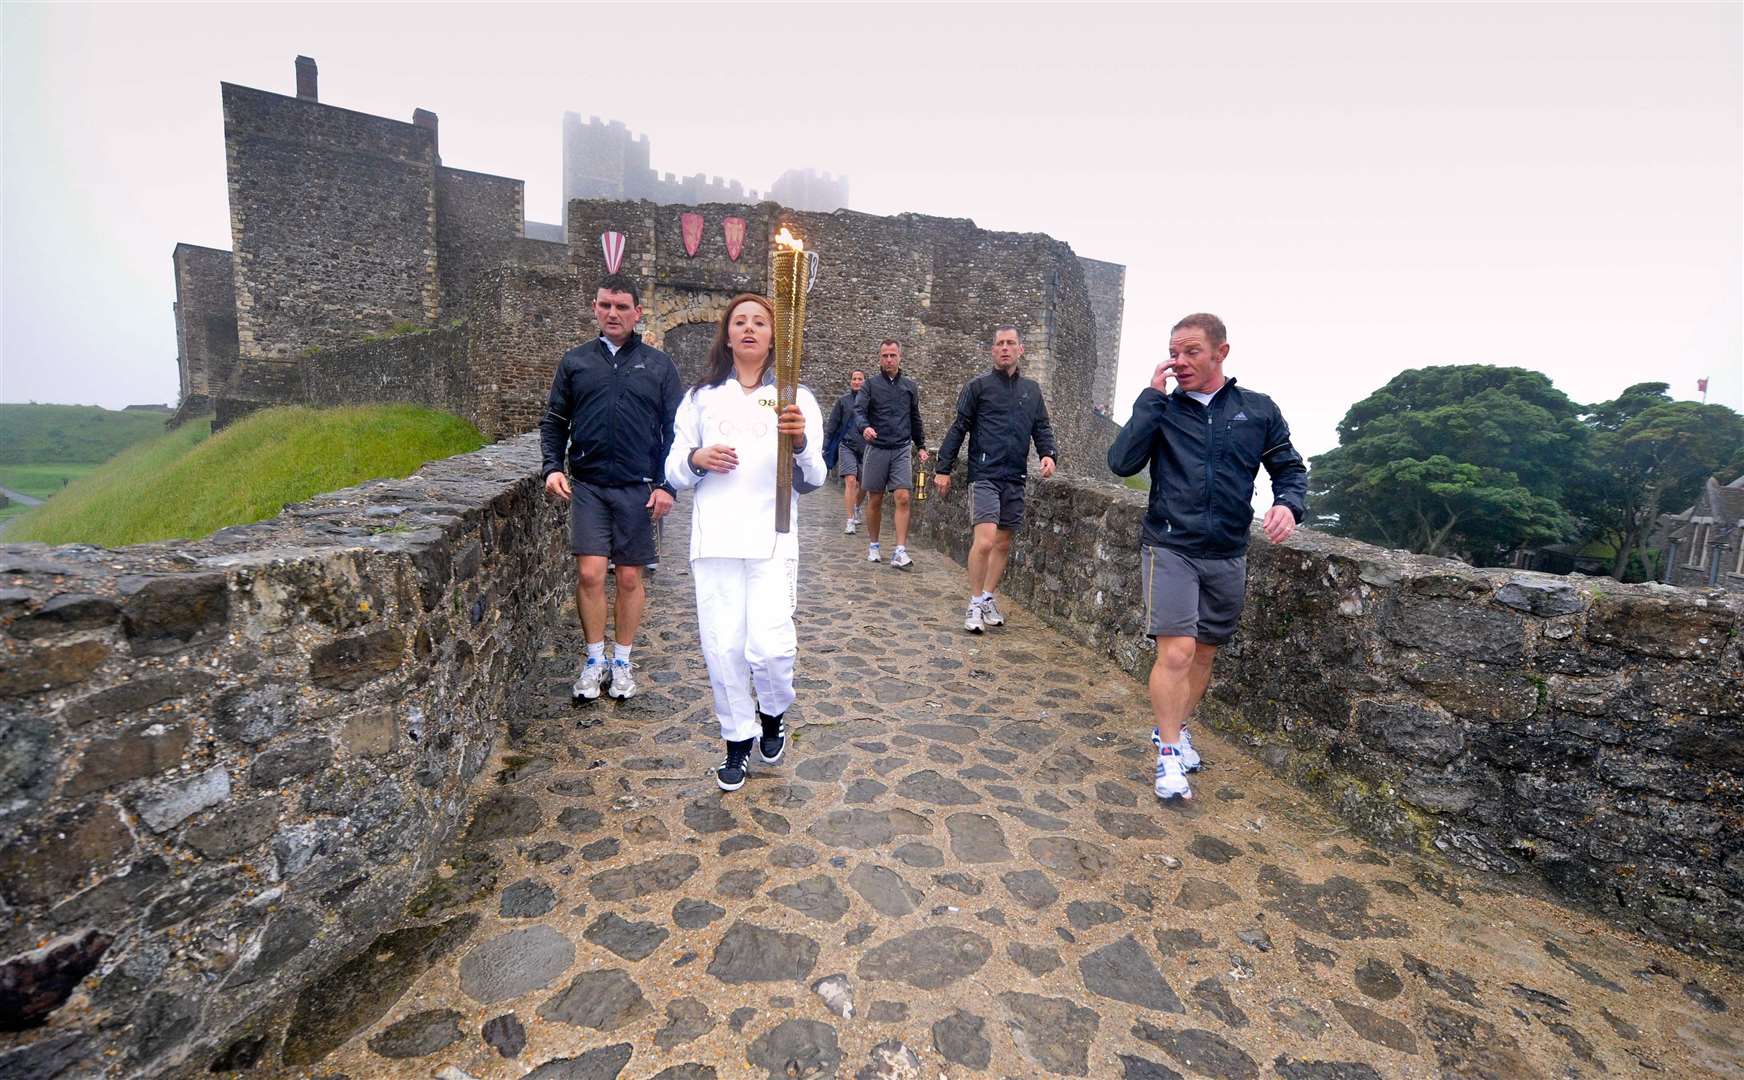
column 363, row 269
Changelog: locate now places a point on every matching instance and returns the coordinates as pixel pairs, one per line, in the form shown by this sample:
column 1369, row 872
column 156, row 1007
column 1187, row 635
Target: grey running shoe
column 587, row 684
column 848, row 529
column 1189, row 756
column 872, row 552
column 623, row 680
column 990, row 613
column 973, row 621
column 900, row 560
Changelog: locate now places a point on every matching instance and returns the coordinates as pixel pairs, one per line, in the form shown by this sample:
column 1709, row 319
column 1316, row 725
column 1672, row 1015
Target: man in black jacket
column 850, row 449
column 1204, row 445
column 889, row 419
column 1002, row 413
column 605, row 435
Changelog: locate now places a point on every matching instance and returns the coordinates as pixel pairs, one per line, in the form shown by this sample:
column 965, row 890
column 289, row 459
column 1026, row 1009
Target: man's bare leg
column 590, row 597
column 901, row 517
column 632, row 597
column 850, row 494
column 1198, row 676
column 874, row 514
column 1171, row 685
column 980, row 554
column 997, row 557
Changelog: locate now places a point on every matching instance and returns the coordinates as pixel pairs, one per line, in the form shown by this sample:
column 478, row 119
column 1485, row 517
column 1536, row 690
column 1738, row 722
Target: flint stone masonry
column 288, row 713
column 1575, row 736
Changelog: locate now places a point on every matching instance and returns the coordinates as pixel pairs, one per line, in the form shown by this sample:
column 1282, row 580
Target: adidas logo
column 1238, row 416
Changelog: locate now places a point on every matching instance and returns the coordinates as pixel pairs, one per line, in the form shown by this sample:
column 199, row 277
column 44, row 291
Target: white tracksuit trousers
column 744, row 608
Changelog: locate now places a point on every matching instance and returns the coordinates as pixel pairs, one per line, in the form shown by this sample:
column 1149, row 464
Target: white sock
column 984, row 597
column 902, row 549
column 596, row 651
column 620, row 653
column 873, row 545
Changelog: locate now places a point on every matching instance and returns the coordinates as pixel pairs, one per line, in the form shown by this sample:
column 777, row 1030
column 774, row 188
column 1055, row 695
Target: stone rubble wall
column 1570, row 735
column 205, row 310
column 225, row 764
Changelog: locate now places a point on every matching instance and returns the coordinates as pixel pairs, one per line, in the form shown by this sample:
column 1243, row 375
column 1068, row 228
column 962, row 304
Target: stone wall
column 474, row 213
column 1107, row 284
column 426, row 368
column 1571, row 735
column 332, row 220
column 224, row 763
column 938, row 285
column 205, row 310
column 520, row 323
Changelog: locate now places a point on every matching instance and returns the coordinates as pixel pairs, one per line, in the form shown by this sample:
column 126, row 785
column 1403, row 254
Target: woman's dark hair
column 718, row 365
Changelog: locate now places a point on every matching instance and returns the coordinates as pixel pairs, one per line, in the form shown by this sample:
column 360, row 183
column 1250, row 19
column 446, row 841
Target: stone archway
column 682, row 322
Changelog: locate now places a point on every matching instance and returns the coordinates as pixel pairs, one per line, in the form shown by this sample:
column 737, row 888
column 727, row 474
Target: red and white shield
column 612, row 244
column 692, row 224
column 734, row 228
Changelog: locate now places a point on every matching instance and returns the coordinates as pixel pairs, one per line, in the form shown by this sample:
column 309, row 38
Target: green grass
column 73, row 434
column 188, row 482
column 41, row 480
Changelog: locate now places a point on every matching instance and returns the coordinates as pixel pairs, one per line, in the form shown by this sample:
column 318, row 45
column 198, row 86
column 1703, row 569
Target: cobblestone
column 962, row 838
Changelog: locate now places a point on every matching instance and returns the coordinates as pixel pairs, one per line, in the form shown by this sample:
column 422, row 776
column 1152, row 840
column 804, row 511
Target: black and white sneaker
column 730, row 774
column 773, row 744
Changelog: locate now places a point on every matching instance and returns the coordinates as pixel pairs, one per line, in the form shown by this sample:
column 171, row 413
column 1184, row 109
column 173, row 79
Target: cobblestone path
column 960, row 871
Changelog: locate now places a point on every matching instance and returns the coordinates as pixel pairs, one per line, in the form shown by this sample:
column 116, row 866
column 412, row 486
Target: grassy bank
column 188, row 482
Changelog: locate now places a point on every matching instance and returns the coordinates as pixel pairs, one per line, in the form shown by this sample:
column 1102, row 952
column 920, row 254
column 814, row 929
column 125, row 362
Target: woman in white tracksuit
column 724, row 448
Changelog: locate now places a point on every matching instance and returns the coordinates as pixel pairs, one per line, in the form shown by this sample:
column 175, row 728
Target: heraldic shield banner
column 612, row 244
column 734, row 230
column 692, row 225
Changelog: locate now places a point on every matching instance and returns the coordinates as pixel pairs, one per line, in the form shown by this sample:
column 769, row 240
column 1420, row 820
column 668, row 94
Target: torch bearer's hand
column 792, row 422
column 942, row 481
column 719, row 458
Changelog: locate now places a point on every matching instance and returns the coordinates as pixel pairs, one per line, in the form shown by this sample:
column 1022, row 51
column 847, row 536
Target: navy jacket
column 891, row 407
column 610, row 417
column 1203, row 460
column 842, row 423
column 1001, row 414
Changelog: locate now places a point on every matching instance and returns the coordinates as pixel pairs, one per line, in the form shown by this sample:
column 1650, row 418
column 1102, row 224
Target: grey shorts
column 847, row 461
column 1188, row 597
column 996, row 501
column 887, row 470
column 612, row 521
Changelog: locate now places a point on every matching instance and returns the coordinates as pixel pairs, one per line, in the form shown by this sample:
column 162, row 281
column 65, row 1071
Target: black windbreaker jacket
column 611, row 415
column 1203, row 460
column 842, row 420
column 1000, row 414
column 891, row 407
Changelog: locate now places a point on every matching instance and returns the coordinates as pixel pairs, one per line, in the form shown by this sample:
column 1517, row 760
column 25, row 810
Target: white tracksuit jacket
column 746, row 574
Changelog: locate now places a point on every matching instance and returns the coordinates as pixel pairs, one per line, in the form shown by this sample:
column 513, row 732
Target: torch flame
column 789, row 241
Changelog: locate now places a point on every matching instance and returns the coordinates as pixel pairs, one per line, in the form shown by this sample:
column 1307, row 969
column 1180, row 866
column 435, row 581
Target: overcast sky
column 1355, row 189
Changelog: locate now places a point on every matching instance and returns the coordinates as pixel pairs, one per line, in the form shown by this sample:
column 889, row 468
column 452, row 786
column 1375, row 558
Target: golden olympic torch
column 790, row 276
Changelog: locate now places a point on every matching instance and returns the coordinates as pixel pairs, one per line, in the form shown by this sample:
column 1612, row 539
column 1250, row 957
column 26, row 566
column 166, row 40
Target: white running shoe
column 972, row 622
column 623, row 680
column 848, row 529
column 990, row 613
column 872, row 552
column 587, row 684
column 1189, row 756
column 1171, row 774
column 900, row 560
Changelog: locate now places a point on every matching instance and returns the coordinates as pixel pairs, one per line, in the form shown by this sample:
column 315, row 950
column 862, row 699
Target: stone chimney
column 306, row 79
column 424, row 118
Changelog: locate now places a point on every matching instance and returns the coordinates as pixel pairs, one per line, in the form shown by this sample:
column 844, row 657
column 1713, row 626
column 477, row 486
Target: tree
column 1469, row 460
column 1651, row 454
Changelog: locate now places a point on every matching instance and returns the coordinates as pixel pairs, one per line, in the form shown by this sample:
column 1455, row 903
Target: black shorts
column 1188, row 597
column 612, row 522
